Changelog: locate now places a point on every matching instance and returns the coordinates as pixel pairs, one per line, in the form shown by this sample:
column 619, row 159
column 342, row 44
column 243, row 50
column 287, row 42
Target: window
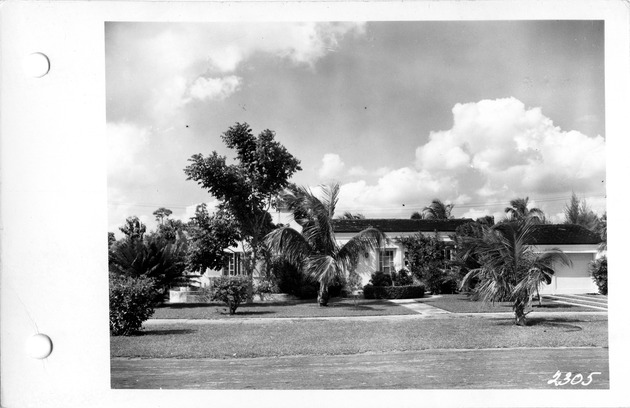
column 386, row 261
column 235, row 266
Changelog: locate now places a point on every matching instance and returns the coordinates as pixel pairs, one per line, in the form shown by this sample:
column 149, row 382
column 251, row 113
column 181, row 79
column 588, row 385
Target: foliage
column 579, row 213
column 349, row 216
column 210, row 235
column 393, row 292
column 599, row 272
column 425, row 257
column 437, row 210
column 381, row 279
column 416, row 216
column 231, row 290
column 265, row 287
column 161, row 214
column 315, row 250
column 133, row 228
column 246, row 189
column 519, row 210
column 510, row 269
column 402, row 278
column 151, row 257
column 131, row 302
column 111, row 238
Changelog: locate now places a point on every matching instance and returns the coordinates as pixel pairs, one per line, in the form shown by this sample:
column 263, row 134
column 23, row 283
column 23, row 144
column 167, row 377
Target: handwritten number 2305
column 559, row 380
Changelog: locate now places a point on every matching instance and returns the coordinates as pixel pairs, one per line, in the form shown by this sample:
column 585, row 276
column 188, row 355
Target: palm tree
column 518, row 210
column 437, row 210
column 349, row 216
column 315, row 250
column 510, row 269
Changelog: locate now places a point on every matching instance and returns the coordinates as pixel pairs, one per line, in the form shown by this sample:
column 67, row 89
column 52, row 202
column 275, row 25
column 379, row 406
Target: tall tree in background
column 315, row 250
column 437, row 210
column 162, row 214
column 247, row 188
column 578, row 212
column 416, row 216
column 519, row 210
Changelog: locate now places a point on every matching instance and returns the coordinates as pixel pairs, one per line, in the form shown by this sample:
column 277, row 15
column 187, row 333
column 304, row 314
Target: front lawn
column 461, row 303
column 334, row 337
column 336, row 307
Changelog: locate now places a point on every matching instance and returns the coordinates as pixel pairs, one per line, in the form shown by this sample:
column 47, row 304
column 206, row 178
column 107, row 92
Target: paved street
column 528, row 368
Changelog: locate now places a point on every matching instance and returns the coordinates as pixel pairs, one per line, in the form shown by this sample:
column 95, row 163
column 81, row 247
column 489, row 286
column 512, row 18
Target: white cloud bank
column 495, row 151
column 181, row 63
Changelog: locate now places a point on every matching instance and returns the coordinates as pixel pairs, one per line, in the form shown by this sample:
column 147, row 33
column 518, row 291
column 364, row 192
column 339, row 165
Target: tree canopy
column 315, row 250
column 437, row 210
column 519, row 210
column 246, row 188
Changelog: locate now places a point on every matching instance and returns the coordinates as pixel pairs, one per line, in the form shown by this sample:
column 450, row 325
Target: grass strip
column 308, row 337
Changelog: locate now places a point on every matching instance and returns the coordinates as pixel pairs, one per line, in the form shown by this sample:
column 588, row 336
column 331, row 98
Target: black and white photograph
column 357, row 205
column 314, row 203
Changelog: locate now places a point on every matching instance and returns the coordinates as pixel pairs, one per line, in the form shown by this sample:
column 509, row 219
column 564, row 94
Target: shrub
column 231, row 290
column 599, row 272
column 381, row 279
column 393, row 292
column 402, row 278
column 131, row 302
column 264, row 287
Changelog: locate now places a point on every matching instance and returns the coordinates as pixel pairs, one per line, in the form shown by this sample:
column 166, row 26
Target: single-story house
column 580, row 245
column 392, row 256
column 577, row 242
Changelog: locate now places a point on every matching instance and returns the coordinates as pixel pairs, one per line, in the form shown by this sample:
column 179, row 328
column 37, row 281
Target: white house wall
column 575, row 279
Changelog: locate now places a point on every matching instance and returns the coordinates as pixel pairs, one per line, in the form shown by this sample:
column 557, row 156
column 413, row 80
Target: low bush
column 393, row 292
column 131, row 302
column 402, row 278
column 599, row 272
column 381, row 279
column 231, row 290
column 264, row 288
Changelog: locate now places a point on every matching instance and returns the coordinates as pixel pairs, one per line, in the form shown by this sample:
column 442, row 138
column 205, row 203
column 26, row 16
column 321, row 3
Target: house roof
column 544, row 234
column 563, row 234
column 389, row 225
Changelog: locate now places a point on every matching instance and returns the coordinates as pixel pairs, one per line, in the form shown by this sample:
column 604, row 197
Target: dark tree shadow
column 165, row 332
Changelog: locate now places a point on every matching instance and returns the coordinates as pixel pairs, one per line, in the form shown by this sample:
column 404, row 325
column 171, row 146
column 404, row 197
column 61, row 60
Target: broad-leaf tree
column 162, row 214
column 416, row 216
column 437, row 210
column 510, row 269
column 315, row 249
column 246, row 188
column 349, row 216
column 211, row 237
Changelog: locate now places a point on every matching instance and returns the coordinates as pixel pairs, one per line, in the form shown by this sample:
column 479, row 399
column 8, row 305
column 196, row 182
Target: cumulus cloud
column 154, row 70
column 332, row 166
column 214, row 88
column 511, row 146
column 496, row 150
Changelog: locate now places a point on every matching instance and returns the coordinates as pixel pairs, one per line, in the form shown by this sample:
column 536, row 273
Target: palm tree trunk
column 322, row 295
column 519, row 313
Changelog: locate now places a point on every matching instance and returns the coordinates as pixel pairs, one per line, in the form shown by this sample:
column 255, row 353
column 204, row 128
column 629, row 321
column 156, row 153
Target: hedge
column 393, row 292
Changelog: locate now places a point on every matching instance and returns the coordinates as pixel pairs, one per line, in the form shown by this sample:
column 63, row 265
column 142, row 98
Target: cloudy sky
column 399, row 113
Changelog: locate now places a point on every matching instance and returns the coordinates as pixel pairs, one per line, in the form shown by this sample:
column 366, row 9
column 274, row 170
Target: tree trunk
column 519, row 313
column 322, row 295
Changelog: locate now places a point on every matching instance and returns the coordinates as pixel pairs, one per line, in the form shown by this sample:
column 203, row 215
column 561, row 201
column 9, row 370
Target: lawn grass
column 334, row 337
column 461, row 303
column 337, row 307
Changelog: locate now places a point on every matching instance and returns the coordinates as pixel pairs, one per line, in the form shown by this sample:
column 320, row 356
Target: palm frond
column 290, row 243
column 366, row 241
